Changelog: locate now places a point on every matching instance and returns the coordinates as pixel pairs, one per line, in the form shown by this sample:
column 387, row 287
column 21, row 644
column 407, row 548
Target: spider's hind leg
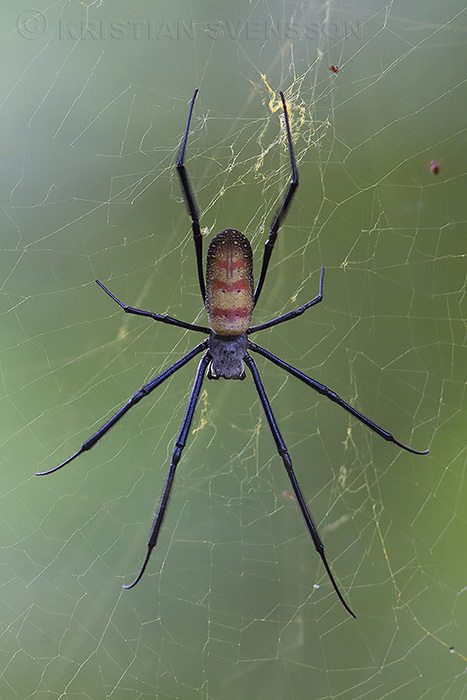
column 284, row 454
column 176, row 456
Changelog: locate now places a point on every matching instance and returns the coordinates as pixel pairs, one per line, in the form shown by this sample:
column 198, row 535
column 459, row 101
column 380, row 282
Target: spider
column 229, row 297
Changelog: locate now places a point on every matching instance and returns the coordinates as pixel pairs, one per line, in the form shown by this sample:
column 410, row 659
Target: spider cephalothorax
column 229, row 297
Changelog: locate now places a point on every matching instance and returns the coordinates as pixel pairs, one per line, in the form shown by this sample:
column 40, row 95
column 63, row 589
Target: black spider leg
column 292, row 314
column 282, row 211
column 190, row 202
column 283, row 453
column 140, row 394
column 176, row 455
column 325, row 391
column 156, row 317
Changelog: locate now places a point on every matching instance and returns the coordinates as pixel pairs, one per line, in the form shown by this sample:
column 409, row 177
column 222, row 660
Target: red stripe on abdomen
column 241, row 285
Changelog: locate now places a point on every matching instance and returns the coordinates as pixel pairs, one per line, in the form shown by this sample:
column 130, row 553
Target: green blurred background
column 235, row 603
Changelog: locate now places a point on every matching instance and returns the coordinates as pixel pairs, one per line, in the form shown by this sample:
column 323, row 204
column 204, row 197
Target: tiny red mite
column 434, row 167
column 334, row 69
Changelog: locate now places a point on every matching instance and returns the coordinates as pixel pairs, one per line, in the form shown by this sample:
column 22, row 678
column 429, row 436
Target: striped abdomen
column 229, row 283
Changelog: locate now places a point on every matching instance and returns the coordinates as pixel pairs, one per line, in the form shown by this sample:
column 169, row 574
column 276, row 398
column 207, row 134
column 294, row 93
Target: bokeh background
column 235, row 602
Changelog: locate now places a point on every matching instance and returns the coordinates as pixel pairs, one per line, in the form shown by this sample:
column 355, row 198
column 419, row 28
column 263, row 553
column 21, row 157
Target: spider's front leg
column 283, row 209
column 191, row 202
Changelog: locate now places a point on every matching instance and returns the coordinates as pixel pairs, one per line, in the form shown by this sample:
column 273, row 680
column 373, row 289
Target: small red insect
column 334, row 69
column 434, row 167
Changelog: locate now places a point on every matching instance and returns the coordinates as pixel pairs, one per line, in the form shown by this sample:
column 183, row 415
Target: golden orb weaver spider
column 229, row 297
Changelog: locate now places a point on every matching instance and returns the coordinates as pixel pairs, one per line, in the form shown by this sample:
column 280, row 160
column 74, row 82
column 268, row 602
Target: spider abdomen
column 229, row 283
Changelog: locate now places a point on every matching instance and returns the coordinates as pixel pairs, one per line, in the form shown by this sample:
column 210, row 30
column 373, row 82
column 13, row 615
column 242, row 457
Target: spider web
column 235, row 602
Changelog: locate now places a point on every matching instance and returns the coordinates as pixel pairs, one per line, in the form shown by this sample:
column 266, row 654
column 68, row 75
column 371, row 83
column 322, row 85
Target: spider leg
column 282, row 211
column 292, row 314
column 176, row 455
column 283, row 453
column 325, row 391
column 156, row 317
column 191, row 203
column 140, row 394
